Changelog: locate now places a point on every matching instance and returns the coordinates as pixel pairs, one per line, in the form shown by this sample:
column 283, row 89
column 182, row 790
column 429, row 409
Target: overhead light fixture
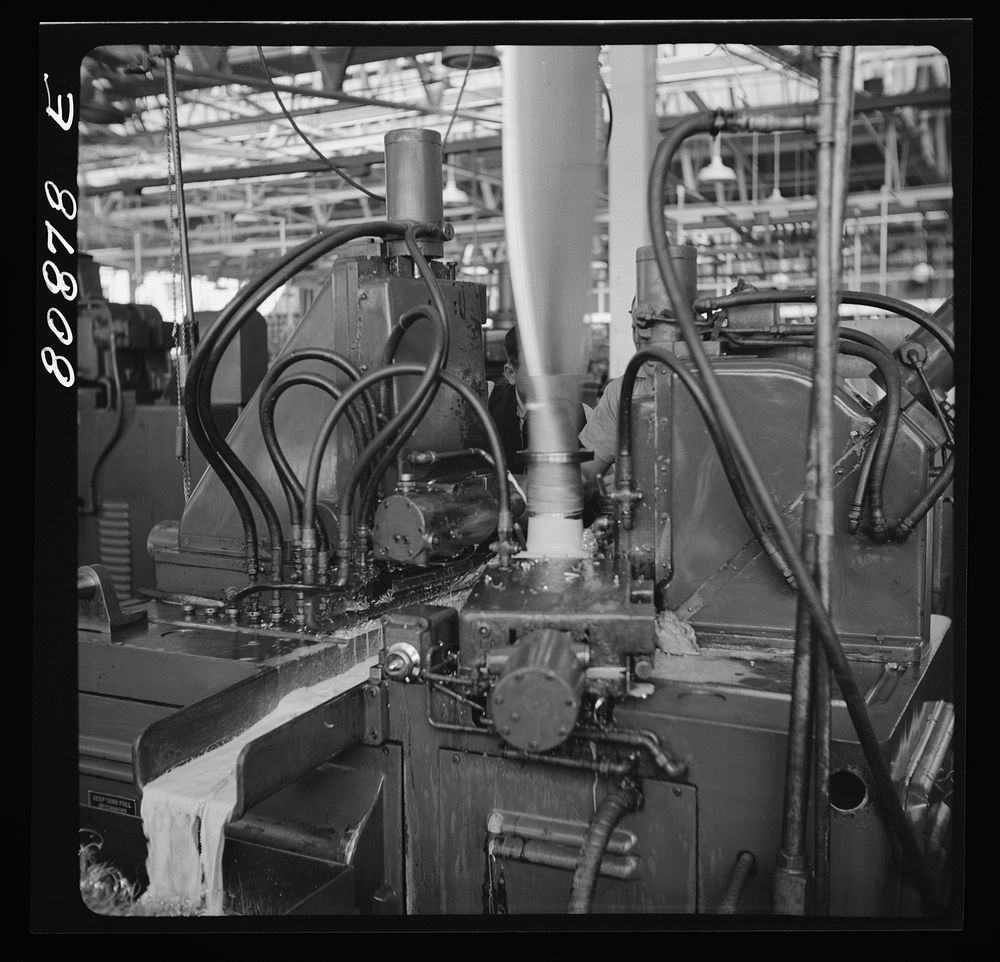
column 716, row 172
column 453, row 195
column 776, row 193
column 472, row 58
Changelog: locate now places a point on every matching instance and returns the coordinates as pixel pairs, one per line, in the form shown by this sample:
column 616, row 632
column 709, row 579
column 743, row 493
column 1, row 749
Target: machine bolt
column 570, row 703
column 515, row 717
column 563, row 730
column 533, row 744
column 505, row 730
column 498, row 699
column 456, row 758
column 643, row 668
column 484, row 629
column 550, row 676
column 188, row 610
column 677, row 792
column 372, row 692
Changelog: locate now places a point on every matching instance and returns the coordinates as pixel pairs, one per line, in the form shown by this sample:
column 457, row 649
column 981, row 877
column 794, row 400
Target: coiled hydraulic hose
column 290, row 483
column 401, row 427
column 626, row 798
column 722, row 448
column 861, row 489
column 419, row 410
column 197, row 395
column 861, row 345
column 911, row 519
column 504, row 520
column 805, row 296
column 722, row 120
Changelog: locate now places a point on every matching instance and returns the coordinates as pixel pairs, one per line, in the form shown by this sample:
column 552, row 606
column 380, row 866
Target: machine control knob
column 536, row 702
column 402, row 661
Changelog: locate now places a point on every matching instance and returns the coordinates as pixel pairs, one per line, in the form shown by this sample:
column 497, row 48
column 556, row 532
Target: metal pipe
column 537, row 852
column 853, row 699
column 673, row 767
column 602, row 767
column 169, row 52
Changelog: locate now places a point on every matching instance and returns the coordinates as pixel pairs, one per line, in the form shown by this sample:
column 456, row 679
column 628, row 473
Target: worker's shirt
column 600, row 434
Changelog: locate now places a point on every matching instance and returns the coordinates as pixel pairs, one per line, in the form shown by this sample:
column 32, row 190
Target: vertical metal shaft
column 175, row 145
column 840, row 167
column 791, row 875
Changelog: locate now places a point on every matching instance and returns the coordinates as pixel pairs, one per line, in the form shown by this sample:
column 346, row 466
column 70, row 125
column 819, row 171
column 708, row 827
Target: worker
column 507, row 402
column 600, row 434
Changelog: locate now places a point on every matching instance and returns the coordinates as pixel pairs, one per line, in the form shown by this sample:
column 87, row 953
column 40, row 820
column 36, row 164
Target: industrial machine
column 687, row 713
column 129, row 475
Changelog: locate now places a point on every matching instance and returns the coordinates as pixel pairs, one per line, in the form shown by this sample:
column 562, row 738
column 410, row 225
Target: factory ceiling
column 255, row 186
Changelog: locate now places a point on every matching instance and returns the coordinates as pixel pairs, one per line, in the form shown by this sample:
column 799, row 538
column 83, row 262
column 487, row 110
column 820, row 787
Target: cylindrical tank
column 651, row 301
column 413, row 183
column 420, row 526
column 536, row 702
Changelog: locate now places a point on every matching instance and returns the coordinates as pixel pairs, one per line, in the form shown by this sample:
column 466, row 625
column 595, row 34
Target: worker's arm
column 590, row 473
column 600, row 436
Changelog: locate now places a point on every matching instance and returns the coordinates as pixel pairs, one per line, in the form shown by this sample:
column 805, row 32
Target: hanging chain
column 179, row 331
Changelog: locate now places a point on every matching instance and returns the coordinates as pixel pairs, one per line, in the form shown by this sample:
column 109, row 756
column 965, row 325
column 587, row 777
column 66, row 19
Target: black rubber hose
column 722, row 447
column 609, row 813
column 370, row 490
column 197, row 401
column 427, row 392
column 890, row 805
column 400, row 370
column 401, row 427
column 861, row 489
column 289, row 482
column 119, row 425
column 889, row 366
column 805, row 296
column 331, row 357
column 197, row 394
column 393, row 435
column 913, row 516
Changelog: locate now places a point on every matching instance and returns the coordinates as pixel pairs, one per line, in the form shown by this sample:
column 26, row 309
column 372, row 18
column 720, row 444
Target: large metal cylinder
column 413, row 183
column 421, row 526
column 536, row 702
column 652, row 303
